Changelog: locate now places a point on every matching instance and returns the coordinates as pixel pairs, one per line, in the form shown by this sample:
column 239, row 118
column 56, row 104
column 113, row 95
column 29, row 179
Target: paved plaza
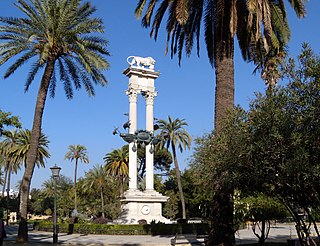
column 278, row 233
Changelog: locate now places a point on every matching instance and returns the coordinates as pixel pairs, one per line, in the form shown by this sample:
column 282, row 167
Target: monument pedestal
column 146, row 205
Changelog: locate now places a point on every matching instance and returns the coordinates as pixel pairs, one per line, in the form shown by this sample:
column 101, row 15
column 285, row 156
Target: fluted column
column 133, row 95
column 149, row 96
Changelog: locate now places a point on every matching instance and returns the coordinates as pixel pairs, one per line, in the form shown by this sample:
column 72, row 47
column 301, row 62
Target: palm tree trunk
column 121, row 185
column 8, row 190
column 75, row 185
column 178, row 177
column 5, row 178
column 32, row 153
column 224, row 93
column 9, row 180
column 102, row 202
column 222, row 231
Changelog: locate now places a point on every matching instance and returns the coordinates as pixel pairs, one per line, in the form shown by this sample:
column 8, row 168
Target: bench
column 191, row 239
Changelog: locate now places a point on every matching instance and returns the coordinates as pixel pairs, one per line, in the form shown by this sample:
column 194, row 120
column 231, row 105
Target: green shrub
column 116, row 229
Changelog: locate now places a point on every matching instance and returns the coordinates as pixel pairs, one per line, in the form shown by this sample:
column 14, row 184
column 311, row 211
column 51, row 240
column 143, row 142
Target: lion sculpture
column 141, row 61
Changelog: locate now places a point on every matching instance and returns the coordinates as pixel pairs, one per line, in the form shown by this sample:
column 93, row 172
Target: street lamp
column 55, row 174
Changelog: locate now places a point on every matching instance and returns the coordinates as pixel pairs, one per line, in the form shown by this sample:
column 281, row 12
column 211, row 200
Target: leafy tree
column 7, row 120
column 259, row 27
column 162, row 159
column 58, row 36
column 78, row 153
column 171, row 207
column 261, row 209
column 106, row 202
column 285, row 130
column 172, row 133
column 64, row 194
column 273, row 147
column 194, row 195
column 38, row 203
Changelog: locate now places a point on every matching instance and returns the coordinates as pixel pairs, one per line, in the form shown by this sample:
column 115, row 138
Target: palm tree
column 117, row 164
column 23, row 145
column 96, row 179
column 78, row 153
column 15, row 146
column 64, row 189
column 58, row 35
column 11, row 165
column 172, row 133
column 255, row 23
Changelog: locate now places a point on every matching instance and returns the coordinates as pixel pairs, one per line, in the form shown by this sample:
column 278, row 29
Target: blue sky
column 185, row 92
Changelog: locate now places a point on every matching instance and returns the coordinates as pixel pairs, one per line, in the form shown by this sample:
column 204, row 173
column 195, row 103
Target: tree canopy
column 7, row 119
column 273, row 147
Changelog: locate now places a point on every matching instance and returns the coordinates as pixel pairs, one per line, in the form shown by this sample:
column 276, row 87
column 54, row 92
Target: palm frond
column 280, row 23
column 34, row 70
column 182, row 11
column 158, row 18
column 209, row 30
column 11, row 53
column 23, row 59
column 73, row 71
column 146, row 20
column 53, row 84
column 299, row 7
column 233, row 18
column 193, row 27
column 64, row 77
column 139, row 9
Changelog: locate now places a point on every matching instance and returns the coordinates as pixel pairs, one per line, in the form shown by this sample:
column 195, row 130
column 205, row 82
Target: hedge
column 119, row 229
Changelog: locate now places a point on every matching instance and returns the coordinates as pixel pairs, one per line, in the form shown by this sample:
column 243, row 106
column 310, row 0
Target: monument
column 147, row 204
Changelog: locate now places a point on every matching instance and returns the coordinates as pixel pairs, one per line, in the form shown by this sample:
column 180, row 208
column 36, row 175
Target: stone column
column 133, row 95
column 149, row 96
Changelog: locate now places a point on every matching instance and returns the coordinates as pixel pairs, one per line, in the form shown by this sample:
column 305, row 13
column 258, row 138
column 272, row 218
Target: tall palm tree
column 117, row 164
column 96, row 179
column 59, row 36
column 255, row 23
column 78, row 153
column 172, row 133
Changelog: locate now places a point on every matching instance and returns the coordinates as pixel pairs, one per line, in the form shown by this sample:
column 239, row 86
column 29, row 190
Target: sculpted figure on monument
column 141, row 61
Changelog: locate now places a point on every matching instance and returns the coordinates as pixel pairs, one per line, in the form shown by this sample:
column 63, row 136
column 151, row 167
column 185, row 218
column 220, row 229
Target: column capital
column 149, row 96
column 132, row 94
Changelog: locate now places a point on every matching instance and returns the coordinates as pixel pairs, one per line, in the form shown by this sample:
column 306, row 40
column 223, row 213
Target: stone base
column 146, row 205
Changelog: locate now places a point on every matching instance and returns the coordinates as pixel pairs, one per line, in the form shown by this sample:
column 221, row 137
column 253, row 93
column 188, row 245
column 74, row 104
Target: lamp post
column 55, row 174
